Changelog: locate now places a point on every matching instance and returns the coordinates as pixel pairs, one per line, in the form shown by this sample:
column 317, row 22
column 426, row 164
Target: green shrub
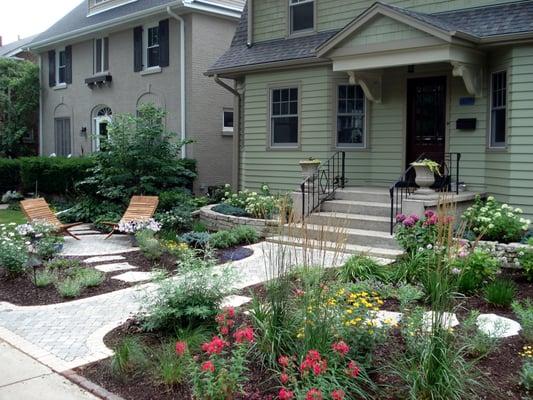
column 361, row 268
column 53, row 175
column 44, row 277
column 477, row 343
column 500, row 292
column 416, row 233
column 261, row 205
column 169, row 369
column 89, row 277
column 408, row 294
column 9, row 174
column 88, row 209
column 69, row 287
column 129, row 356
column 62, row 264
column 199, row 227
column 223, row 239
column 178, row 219
column 530, row 241
column 526, row 375
column 227, row 209
column 168, row 199
column 474, row 269
column 495, row 221
column 49, row 246
column 246, row 235
column 525, row 258
column 197, row 240
column 13, row 250
column 524, row 312
column 149, row 244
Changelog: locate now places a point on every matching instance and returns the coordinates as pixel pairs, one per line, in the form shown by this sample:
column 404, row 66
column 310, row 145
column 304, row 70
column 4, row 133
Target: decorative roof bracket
column 472, row 76
column 370, row 82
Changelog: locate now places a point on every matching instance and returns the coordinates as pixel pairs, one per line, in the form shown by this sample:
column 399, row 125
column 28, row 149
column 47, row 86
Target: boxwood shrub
column 9, row 174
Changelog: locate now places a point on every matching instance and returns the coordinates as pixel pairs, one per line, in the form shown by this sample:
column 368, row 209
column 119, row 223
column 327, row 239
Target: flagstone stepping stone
column 448, row 320
column 498, row 327
column 97, row 245
column 101, row 259
column 115, row 267
column 235, row 301
column 132, row 277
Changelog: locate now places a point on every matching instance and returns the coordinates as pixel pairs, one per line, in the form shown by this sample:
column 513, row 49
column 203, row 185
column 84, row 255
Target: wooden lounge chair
column 141, row 208
column 39, row 210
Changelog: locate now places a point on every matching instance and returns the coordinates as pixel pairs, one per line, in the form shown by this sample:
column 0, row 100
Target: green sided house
column 374, row 86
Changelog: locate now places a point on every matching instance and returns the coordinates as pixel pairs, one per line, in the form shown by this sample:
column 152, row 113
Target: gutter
column 182, row 79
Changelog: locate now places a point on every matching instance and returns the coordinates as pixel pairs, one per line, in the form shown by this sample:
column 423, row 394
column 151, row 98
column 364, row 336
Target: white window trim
column 228, row 129
column 292, row 32
column 492, row 144
column 145, row 47
column 103, row 71
column 60, row 85
column 342, row 146
column 291, row 146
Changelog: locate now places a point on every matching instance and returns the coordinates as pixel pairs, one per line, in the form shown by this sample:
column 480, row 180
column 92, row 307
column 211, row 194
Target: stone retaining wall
column 507, row 253
column 217, row 222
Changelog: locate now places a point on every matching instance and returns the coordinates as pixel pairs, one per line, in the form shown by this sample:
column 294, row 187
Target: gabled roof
column 77, row 23
column 13, row 48
column 479, row 25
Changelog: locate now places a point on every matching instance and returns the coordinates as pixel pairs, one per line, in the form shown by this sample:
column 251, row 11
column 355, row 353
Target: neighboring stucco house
column 18, row 49
column 109, row 56
column 385, row 82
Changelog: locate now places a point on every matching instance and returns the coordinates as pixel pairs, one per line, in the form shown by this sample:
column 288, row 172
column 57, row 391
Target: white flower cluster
column 35, row 228
column 136, row 226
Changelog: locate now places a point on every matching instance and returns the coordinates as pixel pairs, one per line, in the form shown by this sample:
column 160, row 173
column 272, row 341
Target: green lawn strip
column 8, row 216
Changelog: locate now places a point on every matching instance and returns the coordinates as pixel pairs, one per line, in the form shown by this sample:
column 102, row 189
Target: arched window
column 101, row 118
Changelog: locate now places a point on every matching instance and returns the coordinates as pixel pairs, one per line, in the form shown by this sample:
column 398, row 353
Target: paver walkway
column 23, row 378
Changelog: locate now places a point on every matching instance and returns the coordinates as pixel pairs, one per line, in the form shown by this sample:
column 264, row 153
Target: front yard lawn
column 9, row 216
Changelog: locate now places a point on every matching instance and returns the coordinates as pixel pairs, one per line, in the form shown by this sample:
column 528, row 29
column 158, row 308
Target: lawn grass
column 7, row 216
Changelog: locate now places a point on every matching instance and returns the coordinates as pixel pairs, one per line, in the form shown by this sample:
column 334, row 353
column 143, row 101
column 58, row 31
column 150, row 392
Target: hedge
column 9, row 174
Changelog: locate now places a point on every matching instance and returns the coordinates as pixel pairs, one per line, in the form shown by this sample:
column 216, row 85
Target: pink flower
column 353, row 369
column 231, row 312
column 431, row 220
column 313, row 394
column 244, row 335
column 285, row 394
column 208, row 366
column 284, row 378
column 429, row 213
column 338, row 394
column 215, row 346
column 181, row 348
column 283, row 361
column 414, row 217
column 408, row 222
column 400, row 217
column 341, row 348
column 224, row 330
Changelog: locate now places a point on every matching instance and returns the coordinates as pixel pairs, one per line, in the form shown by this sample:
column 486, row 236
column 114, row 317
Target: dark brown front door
column 426, row 118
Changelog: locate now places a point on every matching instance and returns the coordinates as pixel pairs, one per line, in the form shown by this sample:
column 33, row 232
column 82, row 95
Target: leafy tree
column 138, row 156
column 19, row 105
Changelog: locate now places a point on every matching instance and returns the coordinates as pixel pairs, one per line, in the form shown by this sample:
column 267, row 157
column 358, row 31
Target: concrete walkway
column 23, row 378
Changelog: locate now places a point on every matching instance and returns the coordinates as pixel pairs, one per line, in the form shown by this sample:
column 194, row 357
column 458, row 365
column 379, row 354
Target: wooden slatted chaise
column 39, row 210
column 141, row 208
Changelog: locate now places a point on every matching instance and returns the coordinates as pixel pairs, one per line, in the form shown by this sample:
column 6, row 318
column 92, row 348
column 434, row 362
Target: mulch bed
column 22, row 292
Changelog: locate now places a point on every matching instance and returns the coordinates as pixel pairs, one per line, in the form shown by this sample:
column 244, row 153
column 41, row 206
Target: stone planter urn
column 309, row 167
column 425, row 176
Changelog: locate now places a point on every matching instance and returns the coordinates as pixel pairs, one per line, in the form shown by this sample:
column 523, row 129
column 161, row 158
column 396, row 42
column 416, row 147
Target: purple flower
column 400, row 217
column 414, row 217
column 429, row 214
column 409, row 222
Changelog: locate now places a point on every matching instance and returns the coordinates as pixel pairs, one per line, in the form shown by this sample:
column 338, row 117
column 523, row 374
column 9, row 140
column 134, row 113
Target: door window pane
column 350, row 116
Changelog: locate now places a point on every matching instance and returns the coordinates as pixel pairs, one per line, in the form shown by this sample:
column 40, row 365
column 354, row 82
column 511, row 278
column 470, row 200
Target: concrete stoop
column 357, row 220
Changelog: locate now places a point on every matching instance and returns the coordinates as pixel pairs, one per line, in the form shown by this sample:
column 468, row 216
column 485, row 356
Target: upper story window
column 61, row 62
column 284, row 117
column 101, row 55
column 152, row 46
column 351, row 116
column 301, row 15
column 498, row 109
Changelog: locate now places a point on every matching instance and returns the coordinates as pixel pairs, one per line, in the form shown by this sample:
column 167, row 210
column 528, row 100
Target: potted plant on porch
column 425, row 171
column 309, row 166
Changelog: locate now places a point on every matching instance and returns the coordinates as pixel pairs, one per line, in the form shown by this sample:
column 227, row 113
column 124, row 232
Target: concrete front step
column 357, row 207
column 371, row 251
column 350, row 221
column 367, row 194
column 359, row 237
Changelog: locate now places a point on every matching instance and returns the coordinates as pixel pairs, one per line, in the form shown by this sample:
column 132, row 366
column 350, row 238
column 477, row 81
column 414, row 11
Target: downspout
column 40, row 105
column 250, row 33
column 182, row 79
column 237, row 134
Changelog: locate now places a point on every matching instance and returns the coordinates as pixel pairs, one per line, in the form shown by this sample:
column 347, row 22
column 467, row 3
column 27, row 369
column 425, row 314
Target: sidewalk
column 23, row 378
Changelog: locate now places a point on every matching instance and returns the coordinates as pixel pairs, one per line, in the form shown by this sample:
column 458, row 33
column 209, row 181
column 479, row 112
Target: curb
column 89, row 386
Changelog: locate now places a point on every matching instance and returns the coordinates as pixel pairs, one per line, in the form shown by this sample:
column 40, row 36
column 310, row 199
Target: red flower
column 244, row 335
column 283, row 361
column 353, row 369
column 313, row 394
column 215, row 346
column 284, row 378
column 208, row 366
column 338, row 394
column 285, row 394
column 341, row 348
column 224, row 330
column 181, row 348
column 231, row 312
column 313, row 362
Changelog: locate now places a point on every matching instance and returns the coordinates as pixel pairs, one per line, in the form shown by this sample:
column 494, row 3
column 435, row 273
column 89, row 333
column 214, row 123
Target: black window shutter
column 68, row 66
column 52, row 68
column 164, row 43
column 106, row 54
column 137, row 49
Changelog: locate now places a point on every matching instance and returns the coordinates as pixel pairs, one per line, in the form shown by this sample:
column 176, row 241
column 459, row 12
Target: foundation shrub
column 9, row 174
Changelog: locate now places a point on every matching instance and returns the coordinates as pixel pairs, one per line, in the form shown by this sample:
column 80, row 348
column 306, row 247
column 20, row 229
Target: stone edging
column 216, row 221
column 507, row 253
column 90, row 386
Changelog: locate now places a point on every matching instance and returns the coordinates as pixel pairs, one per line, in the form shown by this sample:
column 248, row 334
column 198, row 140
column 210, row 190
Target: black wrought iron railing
column 406, row 185
column 323, row 183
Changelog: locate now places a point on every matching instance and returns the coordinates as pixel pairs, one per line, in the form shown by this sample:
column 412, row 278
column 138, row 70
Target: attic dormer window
column 302, row 15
